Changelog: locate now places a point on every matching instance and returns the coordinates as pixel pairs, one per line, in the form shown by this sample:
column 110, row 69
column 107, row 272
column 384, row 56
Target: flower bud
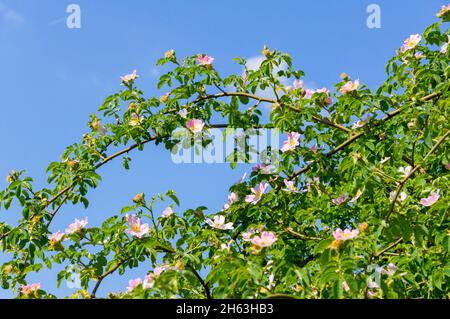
column 164, row 98
column 73, row 164
column 12, row 176
column 8, row 269
column 95, row 124
column 363, row 226
column 336, row 244
column 169, row 54
column 139, row 198
column 266, row 52
column 132, row 106
column 344, row 76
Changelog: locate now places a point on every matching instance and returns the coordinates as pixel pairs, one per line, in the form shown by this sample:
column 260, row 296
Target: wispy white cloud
column 9, row 17
column 57, row 21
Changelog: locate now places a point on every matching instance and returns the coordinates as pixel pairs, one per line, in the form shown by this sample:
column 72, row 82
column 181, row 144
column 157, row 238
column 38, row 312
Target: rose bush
column 357, row 208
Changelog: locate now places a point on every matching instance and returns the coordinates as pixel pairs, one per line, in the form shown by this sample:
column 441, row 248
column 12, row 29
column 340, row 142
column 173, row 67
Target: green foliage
column 352, row 181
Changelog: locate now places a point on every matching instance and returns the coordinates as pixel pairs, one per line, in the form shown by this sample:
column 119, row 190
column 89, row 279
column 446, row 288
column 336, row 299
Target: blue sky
column 54, row 77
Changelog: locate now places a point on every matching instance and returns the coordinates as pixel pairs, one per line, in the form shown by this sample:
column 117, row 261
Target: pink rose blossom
column 56, row 237
column 430, row 200
column 219, row 223
column 76, row 226
column 444, row 48
column 291, row 143
column 183, row 113
column 290, row 186
column 149, row 281
column 308, row 94
column 129, row 78
column 358, row 124
column 349, row 87
column 29, row 289
column 133, row 284
column 346, row 234
column 298, row 84
column 266, row 239
column 390, row 270
column 443, row 11
column 411, row 42
column 136, row 228
column 258, row 192
column 246, row 236
column 323, row 90
column 204, row 60
column 405, row 171
column 195, row 125
column 136, row 119
column 232, row 198
column 167, row 212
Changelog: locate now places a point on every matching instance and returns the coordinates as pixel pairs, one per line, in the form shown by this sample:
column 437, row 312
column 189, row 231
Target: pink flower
column 371, row 294
column 291, row 143
column 323, row 90
column 246, row 236
column 183, row 113
column 232, row 198
column 347, row 234
column 411, row 42
column 167, row 212
column 136, row 119
column 358, row 124
column 29, row 289
column 157, row 271
column 136, row 228
column 340, row 200
column 257, row 193
column 390, row 270
column 266, row 239
column 405, row 171
column 313, row 148
column 298, row 84
column 226, row 246
column 204, row 60
column 345, row 286
column 447, row 167
column 443, row 11
column 308, row 94
column 149, row 281
column 56, row 237
column 133, row 284
column 195, row 125
column 349, row 87
column 357, row 196
column 76, row 226
column 129, row 78
column 430, row 200
column 290, row 185
column 219, row 223
column 444, row 48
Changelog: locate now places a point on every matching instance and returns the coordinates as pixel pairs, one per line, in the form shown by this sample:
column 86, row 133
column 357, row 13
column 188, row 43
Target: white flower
column 219, row 223
column 405, row 170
